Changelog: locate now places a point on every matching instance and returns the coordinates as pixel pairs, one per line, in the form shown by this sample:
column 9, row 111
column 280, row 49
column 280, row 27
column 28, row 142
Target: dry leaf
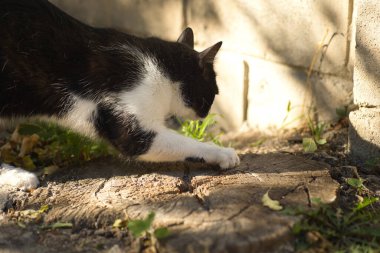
column 28, row 163
column 272, row 204
column 8, row 156
column 15, row 137
column 49, row 170
column 6, row 146
column 28, row 143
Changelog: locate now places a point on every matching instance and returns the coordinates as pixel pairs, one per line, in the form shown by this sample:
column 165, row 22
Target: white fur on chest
column 154, row 98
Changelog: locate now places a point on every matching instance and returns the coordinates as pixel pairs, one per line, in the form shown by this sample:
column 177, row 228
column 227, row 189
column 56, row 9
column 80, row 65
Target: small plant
column 142, row 227
column 342, row 112
column 310, row 144
column 258, row 143
column 373, row 162
column 199, row 129
column 357, row 184
column 337, row 229
column 332, row 229
column 142, row 230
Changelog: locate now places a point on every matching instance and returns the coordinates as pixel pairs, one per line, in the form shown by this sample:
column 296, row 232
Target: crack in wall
column 185, row 19
column 245, row 90
column 349, row 31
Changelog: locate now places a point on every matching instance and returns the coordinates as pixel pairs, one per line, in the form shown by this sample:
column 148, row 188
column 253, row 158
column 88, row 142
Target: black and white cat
column 104, row 83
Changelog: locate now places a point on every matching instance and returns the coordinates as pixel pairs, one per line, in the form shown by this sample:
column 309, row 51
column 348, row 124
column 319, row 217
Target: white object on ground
column 17, row 177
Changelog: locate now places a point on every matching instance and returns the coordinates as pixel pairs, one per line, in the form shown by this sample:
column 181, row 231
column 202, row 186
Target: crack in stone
column 307, row 191
column 204, row 203
column 293, row 190
column 189, row 213
column 97, row 217
column 313, row 178
column 186, row 185
column 238, row 213
column 304, row 187
column 100, row 187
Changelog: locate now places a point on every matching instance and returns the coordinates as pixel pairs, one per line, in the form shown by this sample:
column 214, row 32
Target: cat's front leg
column 154, row 142
column 171, row 146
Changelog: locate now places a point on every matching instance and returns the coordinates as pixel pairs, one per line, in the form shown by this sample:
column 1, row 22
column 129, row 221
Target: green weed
column 310, row 144
column 258, row 143
column 342, row 112
column 373, row 162
column 357, row 183
column 336, row 230
column 199, row 129
column 143, row 234
column 142, row 227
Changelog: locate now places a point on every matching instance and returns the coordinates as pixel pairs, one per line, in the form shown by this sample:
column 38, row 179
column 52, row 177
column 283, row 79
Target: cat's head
column 196, row 74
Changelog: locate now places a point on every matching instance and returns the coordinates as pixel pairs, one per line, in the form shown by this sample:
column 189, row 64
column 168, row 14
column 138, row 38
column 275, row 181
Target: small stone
column 100, row 232
column 343, row 172
column 115, row 249
column 4, row 198
column 74, row 236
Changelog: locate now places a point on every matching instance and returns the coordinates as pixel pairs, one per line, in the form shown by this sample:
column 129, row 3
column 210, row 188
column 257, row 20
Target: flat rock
column 206, row 209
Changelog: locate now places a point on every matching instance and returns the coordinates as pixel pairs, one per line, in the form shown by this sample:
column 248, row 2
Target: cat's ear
column 187, row 38
column 208, row 55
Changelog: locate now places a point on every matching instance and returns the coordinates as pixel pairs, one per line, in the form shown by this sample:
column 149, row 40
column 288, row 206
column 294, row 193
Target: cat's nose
column 202, row 115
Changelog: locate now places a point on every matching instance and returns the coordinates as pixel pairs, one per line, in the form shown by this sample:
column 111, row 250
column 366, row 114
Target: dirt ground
column 206, row 209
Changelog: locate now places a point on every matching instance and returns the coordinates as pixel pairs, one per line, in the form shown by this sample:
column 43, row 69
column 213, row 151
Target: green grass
column 56, row 146
column 199, row 129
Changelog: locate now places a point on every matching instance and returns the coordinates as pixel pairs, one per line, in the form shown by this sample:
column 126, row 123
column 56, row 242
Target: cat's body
column 104, row 83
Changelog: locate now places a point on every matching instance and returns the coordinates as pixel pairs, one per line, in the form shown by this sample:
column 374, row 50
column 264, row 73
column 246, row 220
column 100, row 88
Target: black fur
column 126, row 136
column 46, row 56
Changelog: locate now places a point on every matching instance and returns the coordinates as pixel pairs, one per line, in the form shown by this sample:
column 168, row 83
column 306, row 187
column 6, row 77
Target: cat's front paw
column 228, row 158
column 224, row 157
column 17, row 177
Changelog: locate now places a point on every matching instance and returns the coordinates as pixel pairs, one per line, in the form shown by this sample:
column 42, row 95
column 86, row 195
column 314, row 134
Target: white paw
column 17, row 177
column 224, row 157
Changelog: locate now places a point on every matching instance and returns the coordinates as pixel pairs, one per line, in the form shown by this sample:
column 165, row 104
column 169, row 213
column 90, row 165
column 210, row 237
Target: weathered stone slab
column 206, row 209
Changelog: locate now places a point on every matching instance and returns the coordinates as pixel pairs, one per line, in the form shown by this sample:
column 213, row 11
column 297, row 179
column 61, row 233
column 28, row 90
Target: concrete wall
column 268, row 48
column 364, row 134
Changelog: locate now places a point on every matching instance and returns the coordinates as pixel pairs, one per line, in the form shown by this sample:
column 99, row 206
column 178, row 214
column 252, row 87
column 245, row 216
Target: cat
column 104, row 83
